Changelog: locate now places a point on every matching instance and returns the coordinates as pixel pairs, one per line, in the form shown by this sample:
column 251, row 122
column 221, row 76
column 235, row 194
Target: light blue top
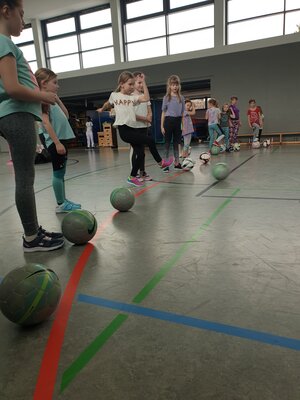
column 59, row 123
column 173, row 108
column 26, row 78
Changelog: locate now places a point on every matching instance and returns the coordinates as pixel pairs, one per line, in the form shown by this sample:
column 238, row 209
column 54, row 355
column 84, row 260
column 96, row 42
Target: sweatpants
column 173, row 132
column 20, row 132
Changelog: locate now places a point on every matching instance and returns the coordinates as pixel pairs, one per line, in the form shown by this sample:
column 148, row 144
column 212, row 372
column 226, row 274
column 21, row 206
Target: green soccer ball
column 79, row 226
column 29, row 294
column 220, row 171
column 215, row 150
column 122, row 199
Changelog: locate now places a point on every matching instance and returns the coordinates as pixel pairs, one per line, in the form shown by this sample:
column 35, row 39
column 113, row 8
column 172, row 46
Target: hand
column 149, row 118
column 100, row 110
column 163, row 130
column 60, row 148
column 48, row 97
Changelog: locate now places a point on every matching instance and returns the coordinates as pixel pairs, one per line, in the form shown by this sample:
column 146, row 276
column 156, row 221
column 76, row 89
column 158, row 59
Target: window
column 79, row 40
column 260, row 19
column 26, row 43
column 163, row 27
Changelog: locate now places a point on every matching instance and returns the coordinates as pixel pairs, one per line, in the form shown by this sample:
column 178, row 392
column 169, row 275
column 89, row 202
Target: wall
column 270, row 75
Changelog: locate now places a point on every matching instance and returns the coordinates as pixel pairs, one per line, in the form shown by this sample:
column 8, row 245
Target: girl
column 235, row 122
column 143, row 114
column 188, row 128
column 213, row 117
column 254, row 119
column 89, row 133
column 172, row 117
column 225, row 124
column 20, row 107
column 124, row 102
column 56, row 130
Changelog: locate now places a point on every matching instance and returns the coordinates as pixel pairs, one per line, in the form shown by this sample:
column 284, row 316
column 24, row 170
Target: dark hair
column 252, row 101
column 213, row 102
column 233, row 98
column 10, row 3
column 188, row 101
column 137, row 73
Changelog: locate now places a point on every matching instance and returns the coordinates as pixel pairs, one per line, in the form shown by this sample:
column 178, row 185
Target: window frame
column 28, row 43
column 284, row 12
column 77, row 32
column 167, row 10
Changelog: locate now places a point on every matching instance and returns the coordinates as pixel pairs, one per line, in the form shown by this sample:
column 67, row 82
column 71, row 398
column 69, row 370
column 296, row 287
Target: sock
column 30, row 238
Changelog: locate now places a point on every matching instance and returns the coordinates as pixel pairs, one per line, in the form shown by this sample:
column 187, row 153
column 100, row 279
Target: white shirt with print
column 124, row 107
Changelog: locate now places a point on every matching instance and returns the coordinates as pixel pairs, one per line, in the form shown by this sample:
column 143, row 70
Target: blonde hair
column 123, row 78
column 44, row 75
column 173, row 79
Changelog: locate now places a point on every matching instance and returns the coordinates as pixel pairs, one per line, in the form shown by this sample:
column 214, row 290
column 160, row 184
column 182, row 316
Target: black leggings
column 138, row 142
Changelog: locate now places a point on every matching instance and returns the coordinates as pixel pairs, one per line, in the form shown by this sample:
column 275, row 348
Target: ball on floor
column 122, row 199
column 205, row 157
column 215, row 150
column 187, row 164
column 220, row 171
column 29, row 294
column 79, row 226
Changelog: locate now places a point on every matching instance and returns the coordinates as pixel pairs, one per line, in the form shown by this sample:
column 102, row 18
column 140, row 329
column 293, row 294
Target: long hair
column 123, row 78
column 44, row 75
column 10, row 3
column 173, row 79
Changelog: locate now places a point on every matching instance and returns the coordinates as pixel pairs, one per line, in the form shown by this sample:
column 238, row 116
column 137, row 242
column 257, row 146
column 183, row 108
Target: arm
column 145, row 97
column 193, row 111
column 62, row 106
column 9, row 77
column 249, row 123
column 232, row 114
column 60, row 148
column 148, row 117
column 206, row 115
column 162, row 122
column 106, row 106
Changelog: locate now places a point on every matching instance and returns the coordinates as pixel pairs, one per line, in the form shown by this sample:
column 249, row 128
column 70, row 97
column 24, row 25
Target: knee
column 59, row 174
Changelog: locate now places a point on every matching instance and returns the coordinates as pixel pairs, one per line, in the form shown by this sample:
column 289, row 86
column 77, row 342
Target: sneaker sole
column 35, row 249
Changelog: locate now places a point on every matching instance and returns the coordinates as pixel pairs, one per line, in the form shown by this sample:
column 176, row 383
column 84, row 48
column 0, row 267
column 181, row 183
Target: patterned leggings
column 234, row 130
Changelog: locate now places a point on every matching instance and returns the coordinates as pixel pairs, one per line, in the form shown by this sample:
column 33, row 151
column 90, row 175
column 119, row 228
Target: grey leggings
column 19, row 131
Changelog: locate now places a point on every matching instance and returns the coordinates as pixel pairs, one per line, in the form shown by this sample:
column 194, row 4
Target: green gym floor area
column 191, row 295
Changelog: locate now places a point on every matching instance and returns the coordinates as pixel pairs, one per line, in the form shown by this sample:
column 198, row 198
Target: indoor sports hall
column 193, row 294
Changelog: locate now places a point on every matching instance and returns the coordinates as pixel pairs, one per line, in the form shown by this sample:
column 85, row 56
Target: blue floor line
column 230, row 330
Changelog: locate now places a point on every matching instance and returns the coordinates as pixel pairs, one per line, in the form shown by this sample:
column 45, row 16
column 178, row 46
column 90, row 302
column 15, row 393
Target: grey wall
column 270, row 75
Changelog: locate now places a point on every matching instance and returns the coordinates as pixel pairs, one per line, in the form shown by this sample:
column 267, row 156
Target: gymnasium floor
column 194, row 294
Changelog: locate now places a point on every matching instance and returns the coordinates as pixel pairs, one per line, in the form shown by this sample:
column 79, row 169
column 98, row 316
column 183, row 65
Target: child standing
column 143, row 114
column 225, row 123
column 57, row 131
column 212, row 115
column 172, row 118
column 254, row 119
column 188, row 127
column 20, row 107
column 235, row 122
column 124, row 102
column 89, row 133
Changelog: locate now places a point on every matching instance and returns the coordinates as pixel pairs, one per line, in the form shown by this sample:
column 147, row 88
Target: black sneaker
column 42, row 243
column 166, row 170
column 52, row 235
column 178, row 166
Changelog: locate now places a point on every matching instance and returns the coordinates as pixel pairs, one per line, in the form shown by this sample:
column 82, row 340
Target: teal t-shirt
column 26, row 78
column 59, row 123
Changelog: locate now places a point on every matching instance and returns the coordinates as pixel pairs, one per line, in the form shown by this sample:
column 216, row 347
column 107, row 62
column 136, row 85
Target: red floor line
column 48, row 371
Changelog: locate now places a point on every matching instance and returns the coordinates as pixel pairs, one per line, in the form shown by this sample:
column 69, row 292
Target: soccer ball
column 204, row 157
column 188, row 164
column 236, row 147
column 266, row 143
column 256, row 145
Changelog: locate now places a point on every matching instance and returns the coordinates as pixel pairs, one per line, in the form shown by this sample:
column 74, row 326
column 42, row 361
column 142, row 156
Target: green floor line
column 87, row 354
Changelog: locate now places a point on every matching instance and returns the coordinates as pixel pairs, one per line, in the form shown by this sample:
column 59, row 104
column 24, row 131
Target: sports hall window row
column 259, row 19
column 26, row 43
column 154, row 28
column 79, row 40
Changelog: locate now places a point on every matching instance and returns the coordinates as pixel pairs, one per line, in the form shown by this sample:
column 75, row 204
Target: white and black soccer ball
column 266, row 143
column 204, row 157
column 188, row 164
column 256, row 145
column 236, row 147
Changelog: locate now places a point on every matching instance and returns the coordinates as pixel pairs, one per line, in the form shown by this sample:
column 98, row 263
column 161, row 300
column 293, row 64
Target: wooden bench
column 275, row 137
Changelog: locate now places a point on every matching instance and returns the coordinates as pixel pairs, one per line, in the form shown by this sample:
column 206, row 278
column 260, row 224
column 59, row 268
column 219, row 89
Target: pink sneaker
column 166, row 163
column 134, row 181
